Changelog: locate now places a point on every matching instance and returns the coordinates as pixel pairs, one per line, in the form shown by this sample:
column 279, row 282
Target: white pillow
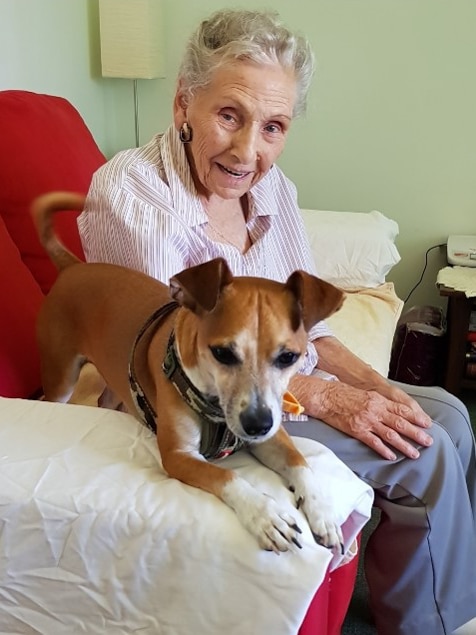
column 352, row 249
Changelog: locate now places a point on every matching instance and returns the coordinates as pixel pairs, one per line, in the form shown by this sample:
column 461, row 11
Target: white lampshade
column 130, row 32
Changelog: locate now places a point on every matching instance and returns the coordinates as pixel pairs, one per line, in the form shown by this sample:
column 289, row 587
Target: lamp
column 130, row 43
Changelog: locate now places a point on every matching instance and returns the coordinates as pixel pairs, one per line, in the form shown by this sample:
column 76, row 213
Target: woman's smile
column 235, row 173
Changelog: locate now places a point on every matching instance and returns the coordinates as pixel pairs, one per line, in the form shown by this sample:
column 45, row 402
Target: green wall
column 391, row 123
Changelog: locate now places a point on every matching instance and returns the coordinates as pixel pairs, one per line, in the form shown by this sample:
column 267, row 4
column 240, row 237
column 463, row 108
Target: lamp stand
column 136, row 110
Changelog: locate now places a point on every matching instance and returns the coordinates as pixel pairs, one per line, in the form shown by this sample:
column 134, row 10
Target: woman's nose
column 246, row 144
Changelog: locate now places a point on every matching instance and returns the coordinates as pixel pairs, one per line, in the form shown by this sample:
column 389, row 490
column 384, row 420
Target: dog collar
column 217, row 440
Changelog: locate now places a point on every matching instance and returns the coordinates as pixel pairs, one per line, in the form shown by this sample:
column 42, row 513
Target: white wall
column 391, row 123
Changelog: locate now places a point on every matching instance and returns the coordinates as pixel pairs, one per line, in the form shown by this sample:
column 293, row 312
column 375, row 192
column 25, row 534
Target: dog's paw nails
column 320, row 540
column 329, row 535
column 275, row 529
column 317, row 538
column 274, row 549
column 342, row 549
column 299, row 502
column 280, row 533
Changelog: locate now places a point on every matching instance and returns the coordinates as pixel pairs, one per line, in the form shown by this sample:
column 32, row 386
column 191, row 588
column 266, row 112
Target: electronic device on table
column 461, row 250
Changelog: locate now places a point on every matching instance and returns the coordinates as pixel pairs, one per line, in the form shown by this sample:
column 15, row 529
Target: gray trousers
column 420, row 561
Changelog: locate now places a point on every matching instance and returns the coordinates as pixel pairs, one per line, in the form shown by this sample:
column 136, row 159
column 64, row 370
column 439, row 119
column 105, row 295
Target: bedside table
column 459, row 310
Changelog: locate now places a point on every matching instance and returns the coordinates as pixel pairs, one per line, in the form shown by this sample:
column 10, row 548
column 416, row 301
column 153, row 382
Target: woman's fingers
column 402, row 424
column 407, row 407
column 384, row 425
column 384, row 440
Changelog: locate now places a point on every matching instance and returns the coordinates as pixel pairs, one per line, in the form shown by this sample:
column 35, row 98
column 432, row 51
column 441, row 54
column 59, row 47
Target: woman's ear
column 180, row 107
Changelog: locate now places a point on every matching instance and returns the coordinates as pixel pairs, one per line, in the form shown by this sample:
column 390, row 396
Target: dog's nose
column 256, row 420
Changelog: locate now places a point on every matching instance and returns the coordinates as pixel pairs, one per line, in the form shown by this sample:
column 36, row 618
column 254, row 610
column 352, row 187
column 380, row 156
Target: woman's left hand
column 362, row 404
column 383, row 422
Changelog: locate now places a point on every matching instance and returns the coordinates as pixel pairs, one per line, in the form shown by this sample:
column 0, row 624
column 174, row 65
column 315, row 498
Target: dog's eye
column 286, row 359
column 224, row 355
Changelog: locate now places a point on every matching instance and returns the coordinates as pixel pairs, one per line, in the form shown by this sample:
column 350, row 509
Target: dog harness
column 216, row 440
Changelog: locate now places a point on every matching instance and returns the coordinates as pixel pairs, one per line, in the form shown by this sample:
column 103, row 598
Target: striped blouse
column 143, row 212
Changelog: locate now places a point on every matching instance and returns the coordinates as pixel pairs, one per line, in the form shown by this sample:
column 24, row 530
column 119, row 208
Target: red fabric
column 20, row 300
column 46, row 146
column 315, row 622
column 327, row 611
column 340, row 593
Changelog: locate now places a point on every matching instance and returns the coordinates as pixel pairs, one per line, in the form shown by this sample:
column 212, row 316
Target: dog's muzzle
column 256, row 420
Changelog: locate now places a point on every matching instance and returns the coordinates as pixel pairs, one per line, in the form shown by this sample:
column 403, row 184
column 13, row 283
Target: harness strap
column 207, row 407
column 216, row 439
column 138, row 395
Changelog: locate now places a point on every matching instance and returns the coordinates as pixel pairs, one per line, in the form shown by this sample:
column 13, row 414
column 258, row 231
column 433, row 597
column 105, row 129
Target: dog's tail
column 42, row 210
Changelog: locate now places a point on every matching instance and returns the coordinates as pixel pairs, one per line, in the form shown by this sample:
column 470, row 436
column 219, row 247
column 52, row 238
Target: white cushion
column 96, row 538
column 352, row 249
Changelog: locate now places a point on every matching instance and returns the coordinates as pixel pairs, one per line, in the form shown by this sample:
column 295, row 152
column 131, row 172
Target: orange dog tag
column 291, row 404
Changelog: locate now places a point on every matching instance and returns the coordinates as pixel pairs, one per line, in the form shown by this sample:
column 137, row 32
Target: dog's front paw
column 324, row 526
column 260, row 514
column 318, row 511
column 275, row 529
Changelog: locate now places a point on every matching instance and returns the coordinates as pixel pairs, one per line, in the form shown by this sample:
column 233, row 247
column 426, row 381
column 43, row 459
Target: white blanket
column 96, row 539
column 459, row 278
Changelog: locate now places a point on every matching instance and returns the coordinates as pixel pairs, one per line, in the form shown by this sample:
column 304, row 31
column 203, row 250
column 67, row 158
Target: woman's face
column 239, row 123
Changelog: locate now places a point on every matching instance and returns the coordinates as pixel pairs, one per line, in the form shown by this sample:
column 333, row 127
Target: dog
column 204, row 363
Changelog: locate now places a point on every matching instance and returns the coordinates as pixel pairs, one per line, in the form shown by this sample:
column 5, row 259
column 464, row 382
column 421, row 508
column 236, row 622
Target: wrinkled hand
column 386, row 420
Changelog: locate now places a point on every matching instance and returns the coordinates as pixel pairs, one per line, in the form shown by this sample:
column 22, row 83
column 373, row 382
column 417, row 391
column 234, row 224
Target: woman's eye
column 224, row 355
column 273, row 128
column 228, row 117
column 286, row 359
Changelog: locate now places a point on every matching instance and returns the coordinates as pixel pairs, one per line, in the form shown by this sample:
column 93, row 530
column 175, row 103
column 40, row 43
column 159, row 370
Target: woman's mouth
column 237, row 175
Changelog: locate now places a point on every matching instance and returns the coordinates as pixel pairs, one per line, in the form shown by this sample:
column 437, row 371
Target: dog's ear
column 199, row 288
column 316, row 299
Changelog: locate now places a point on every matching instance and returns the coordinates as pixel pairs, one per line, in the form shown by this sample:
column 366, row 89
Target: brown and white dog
column 235, row 343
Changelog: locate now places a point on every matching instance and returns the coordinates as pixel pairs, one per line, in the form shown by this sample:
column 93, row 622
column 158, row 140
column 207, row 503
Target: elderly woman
column 208, row 187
